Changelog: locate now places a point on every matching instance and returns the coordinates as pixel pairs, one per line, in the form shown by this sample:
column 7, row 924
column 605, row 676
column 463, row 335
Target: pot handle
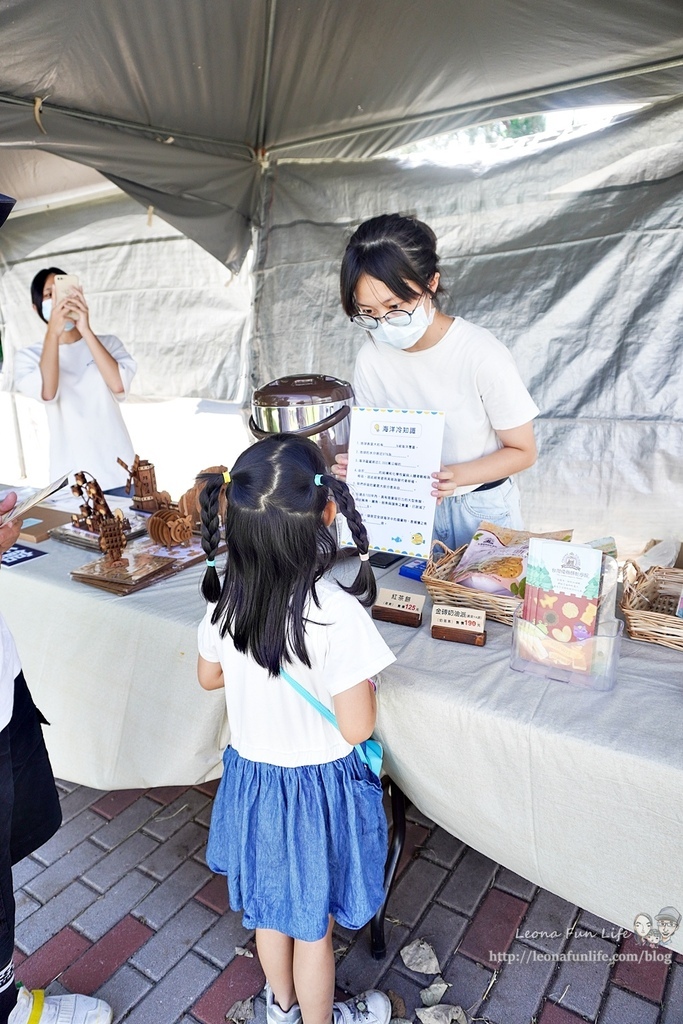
column 256, row 431
column 317, row 428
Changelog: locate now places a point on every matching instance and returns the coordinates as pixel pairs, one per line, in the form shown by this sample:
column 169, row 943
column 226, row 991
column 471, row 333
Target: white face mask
column 46, row 309
column 405, row 337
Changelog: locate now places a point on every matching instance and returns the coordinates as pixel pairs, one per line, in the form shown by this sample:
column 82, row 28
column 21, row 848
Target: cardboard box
column 38, row 522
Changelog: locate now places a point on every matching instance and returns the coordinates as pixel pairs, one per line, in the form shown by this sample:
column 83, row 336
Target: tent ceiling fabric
column 178, row 102
column 31, row 175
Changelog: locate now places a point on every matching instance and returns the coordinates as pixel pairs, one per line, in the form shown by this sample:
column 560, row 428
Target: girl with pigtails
column 298, row 826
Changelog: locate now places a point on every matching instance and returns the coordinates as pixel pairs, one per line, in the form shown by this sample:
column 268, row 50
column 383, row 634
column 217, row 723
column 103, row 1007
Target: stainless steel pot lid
column 312, row 389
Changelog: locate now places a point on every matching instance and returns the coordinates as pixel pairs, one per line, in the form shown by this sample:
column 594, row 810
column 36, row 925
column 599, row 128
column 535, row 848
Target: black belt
column 492, row 483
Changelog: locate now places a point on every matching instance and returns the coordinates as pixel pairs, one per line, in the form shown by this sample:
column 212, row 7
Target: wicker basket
column 443, row 591
column 641, row 594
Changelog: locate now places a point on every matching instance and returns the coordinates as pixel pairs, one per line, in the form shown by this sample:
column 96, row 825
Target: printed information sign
column 392, row 455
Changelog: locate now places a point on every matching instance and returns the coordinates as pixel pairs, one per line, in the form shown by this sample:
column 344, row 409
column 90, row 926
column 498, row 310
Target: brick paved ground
column 120, row 904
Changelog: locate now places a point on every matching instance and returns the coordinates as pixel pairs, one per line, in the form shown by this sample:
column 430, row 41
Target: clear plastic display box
column 590, row 663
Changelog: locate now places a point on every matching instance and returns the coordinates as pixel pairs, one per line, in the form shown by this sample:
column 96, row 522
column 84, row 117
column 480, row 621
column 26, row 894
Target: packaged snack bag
column 495, row 560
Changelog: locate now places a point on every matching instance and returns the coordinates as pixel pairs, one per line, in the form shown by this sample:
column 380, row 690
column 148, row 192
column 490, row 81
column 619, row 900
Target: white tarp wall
column 182, row 314
column 572, row 256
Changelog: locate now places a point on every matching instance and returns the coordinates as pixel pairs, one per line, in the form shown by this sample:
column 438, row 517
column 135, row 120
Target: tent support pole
column 17, row 437
column 265, row 80
column 258, row 229
column 240, row 150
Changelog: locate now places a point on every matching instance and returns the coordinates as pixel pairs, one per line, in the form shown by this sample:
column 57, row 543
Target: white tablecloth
column 578, row 791
column 115, row 676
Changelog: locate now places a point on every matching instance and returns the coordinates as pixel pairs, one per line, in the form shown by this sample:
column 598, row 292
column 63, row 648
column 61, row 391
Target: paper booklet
column 562, row 589
column 21, row 508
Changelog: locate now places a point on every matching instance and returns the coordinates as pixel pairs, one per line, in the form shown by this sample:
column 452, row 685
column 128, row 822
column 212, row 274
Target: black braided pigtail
column 211, row 533
column 364, row 587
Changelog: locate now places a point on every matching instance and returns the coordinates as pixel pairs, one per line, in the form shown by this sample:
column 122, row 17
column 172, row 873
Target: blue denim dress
column 299, row 844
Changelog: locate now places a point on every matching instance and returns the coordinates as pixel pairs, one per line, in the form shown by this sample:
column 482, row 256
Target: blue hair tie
column 318, row 480
column 211, row 562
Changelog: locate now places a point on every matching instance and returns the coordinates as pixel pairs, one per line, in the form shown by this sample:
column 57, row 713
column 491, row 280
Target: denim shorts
column 458, row 517
column 300, row 844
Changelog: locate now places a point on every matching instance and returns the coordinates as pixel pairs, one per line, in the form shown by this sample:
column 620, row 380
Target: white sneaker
column 276, row 1015
column 370, row 1007
column 37, row 1008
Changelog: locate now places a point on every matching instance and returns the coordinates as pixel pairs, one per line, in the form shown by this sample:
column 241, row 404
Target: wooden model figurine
column 188, row 504
column 168, row 528
column 113, row 540
column 143, row 476
column 94, row 510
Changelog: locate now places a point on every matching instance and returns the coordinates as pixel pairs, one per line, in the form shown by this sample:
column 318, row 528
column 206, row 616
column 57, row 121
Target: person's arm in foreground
column 9, row 532
column 210, row 674
column 356, row 712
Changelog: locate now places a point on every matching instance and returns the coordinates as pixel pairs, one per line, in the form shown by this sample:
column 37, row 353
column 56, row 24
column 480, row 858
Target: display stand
column 590, row 663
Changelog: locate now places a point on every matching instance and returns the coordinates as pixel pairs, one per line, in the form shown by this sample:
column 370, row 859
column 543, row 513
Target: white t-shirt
column 469, row 375
column 272, row 723
column 87, row 431
column 10, row 667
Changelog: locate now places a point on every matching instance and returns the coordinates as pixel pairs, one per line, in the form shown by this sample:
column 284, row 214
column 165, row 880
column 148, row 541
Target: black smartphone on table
column 383, row 559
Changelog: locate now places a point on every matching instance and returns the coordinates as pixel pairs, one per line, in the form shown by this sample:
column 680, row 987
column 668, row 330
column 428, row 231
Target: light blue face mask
column 405, row 336
column 46, row 309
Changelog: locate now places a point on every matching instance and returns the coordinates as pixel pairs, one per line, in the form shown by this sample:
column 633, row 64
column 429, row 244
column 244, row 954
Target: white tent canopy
column 183, row 103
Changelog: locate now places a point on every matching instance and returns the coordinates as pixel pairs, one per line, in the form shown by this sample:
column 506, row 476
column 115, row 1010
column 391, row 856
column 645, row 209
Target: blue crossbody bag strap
column 370, row 752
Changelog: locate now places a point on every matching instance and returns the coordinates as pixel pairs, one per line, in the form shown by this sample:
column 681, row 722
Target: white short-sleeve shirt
column 269, row 720
column 469, row 375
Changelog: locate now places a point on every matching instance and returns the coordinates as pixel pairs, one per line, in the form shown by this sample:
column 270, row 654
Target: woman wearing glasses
column 417, row 357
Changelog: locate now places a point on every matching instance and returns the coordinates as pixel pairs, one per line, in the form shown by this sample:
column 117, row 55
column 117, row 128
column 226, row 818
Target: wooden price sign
column 460, row 625
column 396, row 606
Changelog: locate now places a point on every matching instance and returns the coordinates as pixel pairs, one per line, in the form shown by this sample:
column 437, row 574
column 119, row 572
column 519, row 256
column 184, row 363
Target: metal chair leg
column 378, row 945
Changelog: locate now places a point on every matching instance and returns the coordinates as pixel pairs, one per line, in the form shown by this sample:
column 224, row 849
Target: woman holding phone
column 82, row 378
column 417, row 357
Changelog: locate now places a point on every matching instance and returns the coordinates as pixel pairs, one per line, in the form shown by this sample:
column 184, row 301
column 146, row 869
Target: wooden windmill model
column 142, row 475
